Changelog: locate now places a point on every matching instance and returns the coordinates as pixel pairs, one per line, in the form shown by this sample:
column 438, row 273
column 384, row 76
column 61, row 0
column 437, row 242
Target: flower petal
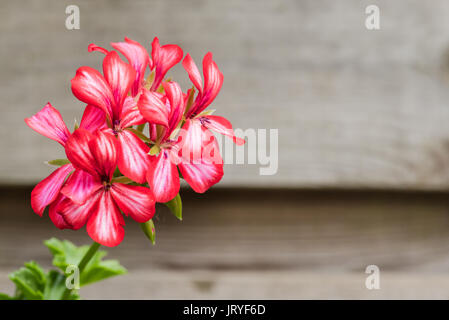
column 78, row 151
column 194, row 74
column 90, row 86
column 130, row 115
column 190, row 140
column 46, row 191
column 105, row 225
column 221, row 125
column 201, row 176
column 54, row 215
column 48, row 122
column 93, row 119
column 80, row 186
column 120, row 77
column 94, row 47
column 213, row 80
column 153, row 108
column 135, row 201
column 104, row 150
column 210, row 152
column 137, row 57
column 132, row 156
column 76, row 215
column 163, row 177
column 164, row 58
column 177, row 103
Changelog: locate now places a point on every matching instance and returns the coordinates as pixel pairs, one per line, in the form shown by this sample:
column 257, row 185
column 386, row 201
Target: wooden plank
column 157, row 284
column 354, row 108
column 262, row 244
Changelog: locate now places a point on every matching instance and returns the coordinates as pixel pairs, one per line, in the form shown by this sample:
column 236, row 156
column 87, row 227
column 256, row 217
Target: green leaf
column 66, row 253
column 175, row 206
column 149, row 230
column 102, row 270
column 4, row 296
column 30, row 281
column 58, row 162
column 56, row 286
column 37, row 271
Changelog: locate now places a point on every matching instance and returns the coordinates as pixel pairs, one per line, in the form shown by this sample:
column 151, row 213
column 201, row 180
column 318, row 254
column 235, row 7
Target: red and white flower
column 198, row 123
column 50, row 124
column 180, row 143
column 92, row 196
column 110, row 94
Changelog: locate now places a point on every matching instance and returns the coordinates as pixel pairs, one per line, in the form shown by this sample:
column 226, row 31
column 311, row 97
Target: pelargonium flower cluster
column 116, row 163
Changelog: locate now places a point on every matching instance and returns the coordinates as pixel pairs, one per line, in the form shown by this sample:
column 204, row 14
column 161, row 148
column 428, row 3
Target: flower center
column 116, row 127
column 106, row 185
column 204, row 120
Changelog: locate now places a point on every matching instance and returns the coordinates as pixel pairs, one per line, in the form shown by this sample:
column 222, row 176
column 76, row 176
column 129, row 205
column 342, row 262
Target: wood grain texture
column 354, row 108
column 261, row 244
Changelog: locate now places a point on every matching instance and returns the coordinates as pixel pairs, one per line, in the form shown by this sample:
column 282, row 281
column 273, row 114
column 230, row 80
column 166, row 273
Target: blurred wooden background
column 354, row 108
column 260, row 244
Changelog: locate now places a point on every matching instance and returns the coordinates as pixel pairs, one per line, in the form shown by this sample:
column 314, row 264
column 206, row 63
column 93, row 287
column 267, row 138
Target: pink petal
column 46, row 191
column 54, row 215
column 163, row 177
column 130, row 115
column 48, row 122
column 213, row 80
column 210, row 152
column 153, row 108
column 78, row 151
column 93, row 119
column 80, row 186
column 177, row 103
column 190, row 140
column 152, row 131
column 105, row 225
column 221, row 125
column 164, row 58
column 120, row 77
column 137, row 57
column 90, row 86
column 201, row 176
column 194, row 74
column 94, row 47
column 76, row 215
column 135, row 201
column 132, row 156
column 104, row 150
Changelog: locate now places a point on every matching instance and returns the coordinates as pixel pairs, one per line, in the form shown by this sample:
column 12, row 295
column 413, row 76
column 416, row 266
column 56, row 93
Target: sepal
column 149, row 230
column 57, row 162
column 175, row 206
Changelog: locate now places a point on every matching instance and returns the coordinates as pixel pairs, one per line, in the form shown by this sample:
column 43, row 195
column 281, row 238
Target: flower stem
column 84, row 261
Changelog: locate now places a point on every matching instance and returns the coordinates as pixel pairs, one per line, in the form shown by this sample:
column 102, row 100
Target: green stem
column 83, row 263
